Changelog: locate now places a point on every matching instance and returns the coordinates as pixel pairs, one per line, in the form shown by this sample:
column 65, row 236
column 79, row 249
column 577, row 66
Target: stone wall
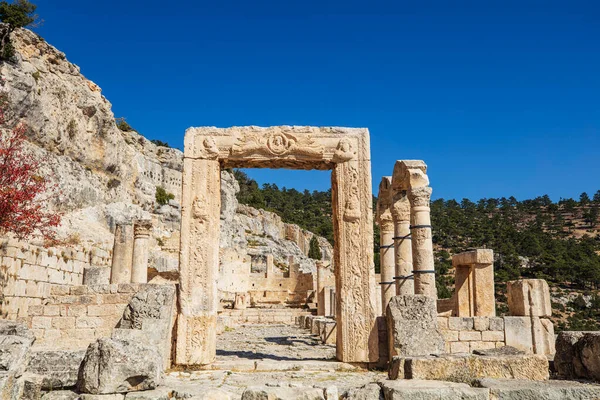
column 532, row 335
column 75, row 316
column 465, row 334
column 28, row 272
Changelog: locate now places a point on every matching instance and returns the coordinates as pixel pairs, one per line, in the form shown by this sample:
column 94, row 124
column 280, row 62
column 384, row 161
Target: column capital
column 420, row 196
column 400, row 207
column 142, row 228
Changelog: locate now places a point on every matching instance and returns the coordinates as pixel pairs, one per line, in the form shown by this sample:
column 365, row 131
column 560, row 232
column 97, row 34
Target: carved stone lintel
column 276, row 144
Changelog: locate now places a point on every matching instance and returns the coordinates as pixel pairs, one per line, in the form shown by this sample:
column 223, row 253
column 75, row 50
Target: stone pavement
column 274, row 348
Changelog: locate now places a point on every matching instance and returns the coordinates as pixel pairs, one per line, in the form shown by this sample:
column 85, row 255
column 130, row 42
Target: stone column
column 320, row 295
column 199, row 261
column 422, row 245
column 122, row 254
column 402, row 245
column 387, row 262
column 141, row 243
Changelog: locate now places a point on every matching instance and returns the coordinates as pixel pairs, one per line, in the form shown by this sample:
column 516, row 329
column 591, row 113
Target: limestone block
column 505, row 389
column 529, row 297
column 152, row 310
column 460, row 323
column 58, row 369
column 492, row 336
column 481, row 323
column 61, row 395
column 469, row 336
column 288, row 393
column 328, row 332
column 412, row 326
column 518, row 333
column 497, row 324
column 369, row 391
column 96, row 276
column 430, row 390
column 543, row 336
column 119, row 366
column 459, row 347
column 467, row 367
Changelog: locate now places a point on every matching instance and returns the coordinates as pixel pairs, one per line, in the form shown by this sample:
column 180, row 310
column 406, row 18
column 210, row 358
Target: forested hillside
column 538, row 238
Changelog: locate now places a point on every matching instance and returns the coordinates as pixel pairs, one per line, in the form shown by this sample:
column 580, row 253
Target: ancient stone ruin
column 90, row 322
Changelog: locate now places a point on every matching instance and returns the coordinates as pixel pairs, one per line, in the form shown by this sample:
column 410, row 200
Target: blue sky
column 500, row 98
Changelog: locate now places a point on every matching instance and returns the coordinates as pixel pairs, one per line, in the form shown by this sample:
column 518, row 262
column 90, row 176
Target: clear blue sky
column 499, row 98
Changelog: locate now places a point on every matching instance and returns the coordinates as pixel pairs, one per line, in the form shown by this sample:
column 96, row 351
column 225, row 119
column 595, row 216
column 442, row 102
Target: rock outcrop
column 107, row 175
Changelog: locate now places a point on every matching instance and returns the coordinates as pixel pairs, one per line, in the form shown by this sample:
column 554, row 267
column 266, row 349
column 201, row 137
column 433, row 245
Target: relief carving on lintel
column 276, row 144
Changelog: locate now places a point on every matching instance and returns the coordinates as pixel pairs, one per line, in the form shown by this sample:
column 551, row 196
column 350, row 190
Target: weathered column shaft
column 387, row 263
column 320, row 295
column 122, row 254
column 199, row 262
column 422, row 245
column 403, row 247
column 141, row 243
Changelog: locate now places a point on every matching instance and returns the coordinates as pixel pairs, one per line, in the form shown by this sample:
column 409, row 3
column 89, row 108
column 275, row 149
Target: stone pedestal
column 475, row 296
column 139, row 269
column 402, row 245
column 122, row 254
column 422, row 245
column 241, row 302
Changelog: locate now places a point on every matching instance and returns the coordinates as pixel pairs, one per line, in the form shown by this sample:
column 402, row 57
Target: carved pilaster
column 355, row 278
column 199, row 261
column 422, row 245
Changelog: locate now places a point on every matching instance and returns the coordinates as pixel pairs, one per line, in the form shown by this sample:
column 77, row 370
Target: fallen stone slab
column 119, row 366
column 431, row 390
column 59, row 369
column 88, row 396
column 156, row 394
column 511, row 389
column 15, row 345
column 282, row 393
column 61, row 395
column 465, row 368
column 370, row 391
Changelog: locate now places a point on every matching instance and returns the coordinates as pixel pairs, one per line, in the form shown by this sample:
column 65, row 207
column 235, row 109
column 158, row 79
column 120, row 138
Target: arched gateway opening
column 344, row 151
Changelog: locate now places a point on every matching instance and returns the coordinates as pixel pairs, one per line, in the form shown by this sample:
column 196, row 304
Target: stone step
column 512, row 389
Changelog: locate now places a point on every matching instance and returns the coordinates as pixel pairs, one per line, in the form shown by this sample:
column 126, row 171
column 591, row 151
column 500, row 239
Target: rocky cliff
column 106, row 174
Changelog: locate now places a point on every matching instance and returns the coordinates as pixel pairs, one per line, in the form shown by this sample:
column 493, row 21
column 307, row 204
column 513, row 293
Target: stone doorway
column 344, row 151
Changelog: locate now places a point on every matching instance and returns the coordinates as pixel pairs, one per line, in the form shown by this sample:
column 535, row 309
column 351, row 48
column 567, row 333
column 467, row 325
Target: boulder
column 413, row 327
column 578, row 355
column 119, row 366
column 15, row 343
